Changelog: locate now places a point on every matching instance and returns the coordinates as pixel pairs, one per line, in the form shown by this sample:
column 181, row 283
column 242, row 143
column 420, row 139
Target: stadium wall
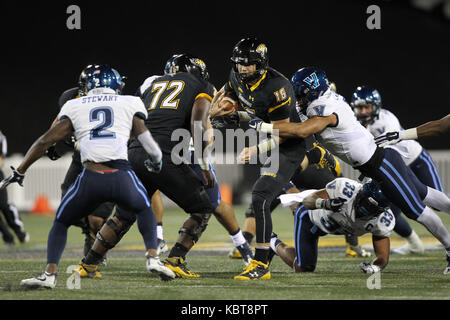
column 45, row 178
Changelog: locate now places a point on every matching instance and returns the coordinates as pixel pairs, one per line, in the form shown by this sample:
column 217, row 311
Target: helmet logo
column 198, row 62
column 262, row 49
column 312, row 80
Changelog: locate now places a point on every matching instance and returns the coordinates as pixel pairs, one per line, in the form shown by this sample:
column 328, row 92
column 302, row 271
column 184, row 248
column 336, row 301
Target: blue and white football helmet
column 309, row 84
column 101, row 76
column 364, row 96
column 370, row 201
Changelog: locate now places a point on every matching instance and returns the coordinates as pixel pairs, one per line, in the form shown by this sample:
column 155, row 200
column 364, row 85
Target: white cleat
column 155, row 265
column 447, row 270
column 162, row 247
column 414, row 246
column 45, row 280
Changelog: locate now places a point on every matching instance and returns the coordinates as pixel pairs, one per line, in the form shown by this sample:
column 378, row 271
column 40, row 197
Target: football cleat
column 24, row 237
column 246, row 252
column 447, row 270
column 255, row 270
column 155, row 265
column 87, row 270
column 329, row 161
column 162, row 247
column 414, row 246
column 178, row 266
column 234, row 254
column 45, row 280
column 356, row 251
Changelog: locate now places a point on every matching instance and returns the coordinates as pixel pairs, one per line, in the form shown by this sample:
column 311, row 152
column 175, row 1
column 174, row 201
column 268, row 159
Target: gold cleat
column 234, row 254
column 255, row 270
column 354, row 252
column 178, row 266
column 87, row 270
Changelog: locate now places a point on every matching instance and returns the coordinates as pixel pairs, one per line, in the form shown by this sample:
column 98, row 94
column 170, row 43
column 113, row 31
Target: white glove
column 369, row 268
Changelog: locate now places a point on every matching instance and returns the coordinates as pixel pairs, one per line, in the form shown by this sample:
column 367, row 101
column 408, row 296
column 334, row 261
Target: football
column 228, row 105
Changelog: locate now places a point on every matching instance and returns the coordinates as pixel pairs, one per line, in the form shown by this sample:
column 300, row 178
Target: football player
column 265, row 93
column 367, row 105
column 106, row 176
column 8, row 209
column 337, row 129
column 429, row 129
column 222, row 211
column 344, row 206
column 179, row 101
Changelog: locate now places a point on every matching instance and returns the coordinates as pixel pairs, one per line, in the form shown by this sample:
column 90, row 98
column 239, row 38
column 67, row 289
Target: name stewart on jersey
column 94, row 99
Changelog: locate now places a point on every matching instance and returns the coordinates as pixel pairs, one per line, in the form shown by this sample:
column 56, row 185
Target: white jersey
column 344, row 222
column 102, row 124
column 387, row 122
column 348, row 140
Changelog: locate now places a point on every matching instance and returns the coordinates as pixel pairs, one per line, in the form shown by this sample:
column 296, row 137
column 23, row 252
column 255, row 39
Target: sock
column 274, row 242
column 159, row 231
column 56, row 242
column 262, row 254
column 238, row 238
column 430, row 220
column 178, row 250
column 248, row 236
column 437, row 199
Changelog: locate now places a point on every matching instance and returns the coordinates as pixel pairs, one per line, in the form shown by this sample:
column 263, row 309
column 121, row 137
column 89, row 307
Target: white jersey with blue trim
column 344, row 222
column 387, row 122
column 102, row 123
column 348, row 140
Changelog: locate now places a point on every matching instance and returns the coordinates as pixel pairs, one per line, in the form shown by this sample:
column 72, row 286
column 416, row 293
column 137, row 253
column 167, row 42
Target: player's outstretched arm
column 381, row 246
column 57, row 132
column 434, row 128
column 300, row 130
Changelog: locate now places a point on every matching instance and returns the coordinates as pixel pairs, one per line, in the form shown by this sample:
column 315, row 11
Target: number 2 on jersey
column 169, row 102
column 106, row 115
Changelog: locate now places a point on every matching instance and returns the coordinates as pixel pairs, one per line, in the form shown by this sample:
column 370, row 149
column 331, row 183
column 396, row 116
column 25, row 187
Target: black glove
column 226, row 122
column 16, row 176
column 333, row 204
column 154, row 167
column 52, row 153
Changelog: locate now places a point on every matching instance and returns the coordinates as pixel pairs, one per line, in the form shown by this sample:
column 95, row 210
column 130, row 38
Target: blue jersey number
column 386, row 218
column 348, row 190
column 106, row 115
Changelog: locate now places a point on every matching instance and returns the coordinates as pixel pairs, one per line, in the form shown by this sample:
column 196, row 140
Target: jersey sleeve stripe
column 140, row 115
column 280, row 105
column 203, row 95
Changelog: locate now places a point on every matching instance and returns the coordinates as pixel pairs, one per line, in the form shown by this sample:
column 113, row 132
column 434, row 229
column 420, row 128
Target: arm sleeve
column 3, row 145
column 150, row 146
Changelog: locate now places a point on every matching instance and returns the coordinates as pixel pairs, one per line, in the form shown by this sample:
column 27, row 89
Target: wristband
column 266, row 145
column 376, row 268
column 265, row 127
column 204, row 164
column 409, row 134
column 319, row 203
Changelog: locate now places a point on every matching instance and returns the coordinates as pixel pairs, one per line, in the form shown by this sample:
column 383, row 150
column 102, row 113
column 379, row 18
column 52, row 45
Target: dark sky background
column 408, row 60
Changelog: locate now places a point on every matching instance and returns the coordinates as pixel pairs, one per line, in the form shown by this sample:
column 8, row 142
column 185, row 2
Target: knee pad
column 195, row 232
column 119, row 231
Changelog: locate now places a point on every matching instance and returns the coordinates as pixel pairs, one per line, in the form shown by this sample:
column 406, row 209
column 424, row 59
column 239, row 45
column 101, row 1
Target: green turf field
column 125, row 276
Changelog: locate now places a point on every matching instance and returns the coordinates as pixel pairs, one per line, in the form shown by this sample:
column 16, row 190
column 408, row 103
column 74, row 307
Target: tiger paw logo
column 262, row 49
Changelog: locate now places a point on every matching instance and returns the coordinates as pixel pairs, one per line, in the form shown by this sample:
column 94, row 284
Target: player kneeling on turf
column 343, row 207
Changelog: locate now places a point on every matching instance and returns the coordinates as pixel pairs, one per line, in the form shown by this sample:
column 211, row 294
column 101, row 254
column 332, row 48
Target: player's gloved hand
column 369, row 268
column 333, row 204
column 388, row 138
column 255, row 123
column 16, row 176
column 52, row 154
column 154, row 167
column 231, row 121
